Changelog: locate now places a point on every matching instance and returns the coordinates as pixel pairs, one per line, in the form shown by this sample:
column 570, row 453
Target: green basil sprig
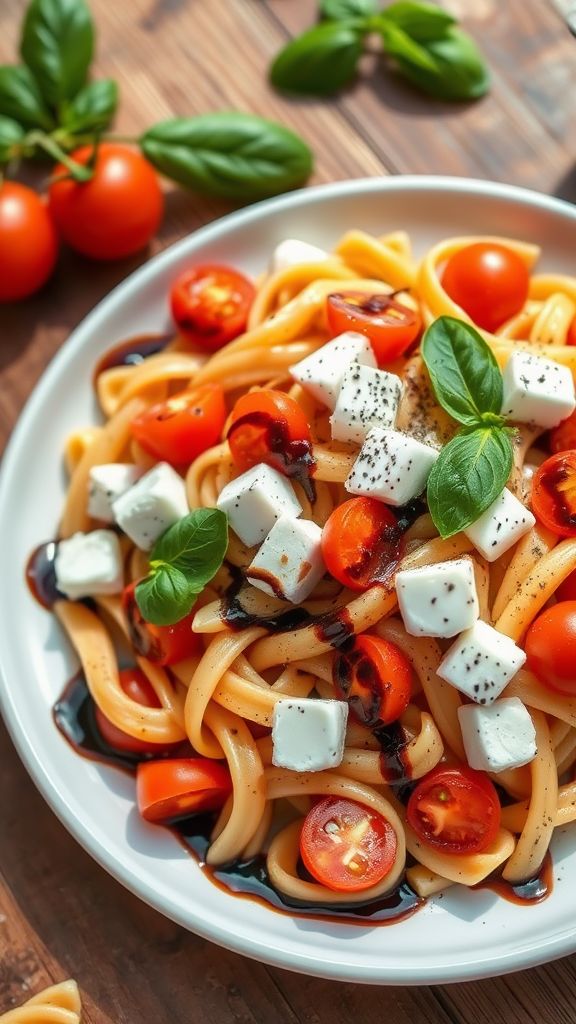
column 423, row 41
column 232, row 155
column 92, row 109
column 11, row 137
column 472, row 469
column 21, row 99
column 57, row 45
column 182, row 562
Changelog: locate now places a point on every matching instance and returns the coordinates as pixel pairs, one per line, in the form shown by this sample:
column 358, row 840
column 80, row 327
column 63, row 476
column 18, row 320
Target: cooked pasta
column 59, row 1004
column 252, row 652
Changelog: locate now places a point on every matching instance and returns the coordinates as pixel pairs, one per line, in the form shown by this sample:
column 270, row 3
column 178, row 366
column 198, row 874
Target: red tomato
column 164, row 645
column 269, row 426
column 28, row 242
column 389, row 326
column 563, row 437
column 136, row 685
column 375, row 678
column 361, row 543
column 210, row 305
column 551, row 647
column 567, row 590
column 489, row 281
column 455, row 809
column 571, row 339
column 113, row 214
column 183, row 427
column 554, row 493
column 345, row 846
column 167, row 790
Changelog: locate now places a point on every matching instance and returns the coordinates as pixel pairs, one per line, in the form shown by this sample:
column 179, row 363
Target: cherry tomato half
column 455, row 809
column 489, row 281
column 168, row 790
column 345, row 846
column 563, row 437
column 210, row 305
column 135, row 685
column 551, row 647
column 164, row 645
column 184, row 426
column 28, row 242
column 361, row 543
column 389, row 326
column 269, row 426
column 554, row 493
column 113, row 214
column 375, row 678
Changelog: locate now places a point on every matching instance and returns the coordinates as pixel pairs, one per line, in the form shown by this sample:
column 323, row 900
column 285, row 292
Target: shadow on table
column 566, row 187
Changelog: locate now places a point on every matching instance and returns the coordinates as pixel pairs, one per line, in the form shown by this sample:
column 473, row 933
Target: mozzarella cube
column 391, row 466
column 368, row 398
column 289, row 563
column 438, row 600
column 481, row 662
column 153, row 504
column 106, row 483
column 322, row 372
column 500, row 526
column 308, row 734
column 256, row 500
column 498, row 736
column 291, row 253
column 537, row 390
column 89, row 563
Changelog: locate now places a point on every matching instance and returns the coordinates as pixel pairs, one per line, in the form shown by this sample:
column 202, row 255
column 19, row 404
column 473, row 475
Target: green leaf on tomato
column 21, row 99
column 93, row 108
column 321, row 61
column 470, row 473
column 57, row 45
column 233, row 155
column 465, row 375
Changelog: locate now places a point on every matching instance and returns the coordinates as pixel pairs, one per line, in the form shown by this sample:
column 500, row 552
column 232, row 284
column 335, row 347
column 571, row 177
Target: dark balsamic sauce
column 293, row 456
column 132, row 352
column 533, row 890
column 556, row 482
column 41, row 574
column 394, row 761
column 75, row 716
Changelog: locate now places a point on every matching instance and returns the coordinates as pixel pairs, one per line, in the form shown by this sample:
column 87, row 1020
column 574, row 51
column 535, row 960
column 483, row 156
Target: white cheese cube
column 88, row 564
column 537, row 390
column 291, row 253
column 391, row 466
column 498, row 736
column 153, row 504
column 438, row 600
column 481, row 662
column 289, row 563
column 368, row 398
column 321, row 373
column 106, row 483
column 256, row 500
column 500, row 526
column 308, row 734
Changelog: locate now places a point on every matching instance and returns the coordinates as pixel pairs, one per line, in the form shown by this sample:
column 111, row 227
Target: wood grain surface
column 60, row 914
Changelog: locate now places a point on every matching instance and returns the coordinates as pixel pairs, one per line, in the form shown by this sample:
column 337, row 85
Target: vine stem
column 78, row 171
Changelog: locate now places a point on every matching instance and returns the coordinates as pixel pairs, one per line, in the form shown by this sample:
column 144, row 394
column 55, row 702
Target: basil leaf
column 57, row 45
column 465, row 376
column 165, row 596
column 321, row 61
column 195, row 545
column 21, row 99
column 458, row 71
column 421, row 21
column 11, row 135
column 470, row 473
column 236, row 156
column 341, row 10
column 92, row 108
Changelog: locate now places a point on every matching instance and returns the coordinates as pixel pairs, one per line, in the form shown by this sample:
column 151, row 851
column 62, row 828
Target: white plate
column 466, row 934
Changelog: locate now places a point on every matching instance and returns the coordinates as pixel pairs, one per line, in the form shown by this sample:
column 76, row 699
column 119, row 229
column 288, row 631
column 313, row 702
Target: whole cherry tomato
column 164, row 645
column 489, row 281
column 137, row 686
column 455, row 809
column 375, row 679
column 171, row 789
column 361, row 543
column 181, row 428
column 390, row 326
column 551, row 647
column 554, row 493
column 269, row 426
column 116, row 212
column 28, row 242
column 210, row 305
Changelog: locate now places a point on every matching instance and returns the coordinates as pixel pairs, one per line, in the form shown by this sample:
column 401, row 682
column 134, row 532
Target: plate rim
column 302, row 962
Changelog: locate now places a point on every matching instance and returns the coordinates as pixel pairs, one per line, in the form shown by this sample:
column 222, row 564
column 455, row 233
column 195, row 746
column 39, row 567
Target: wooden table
column 60, row 914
